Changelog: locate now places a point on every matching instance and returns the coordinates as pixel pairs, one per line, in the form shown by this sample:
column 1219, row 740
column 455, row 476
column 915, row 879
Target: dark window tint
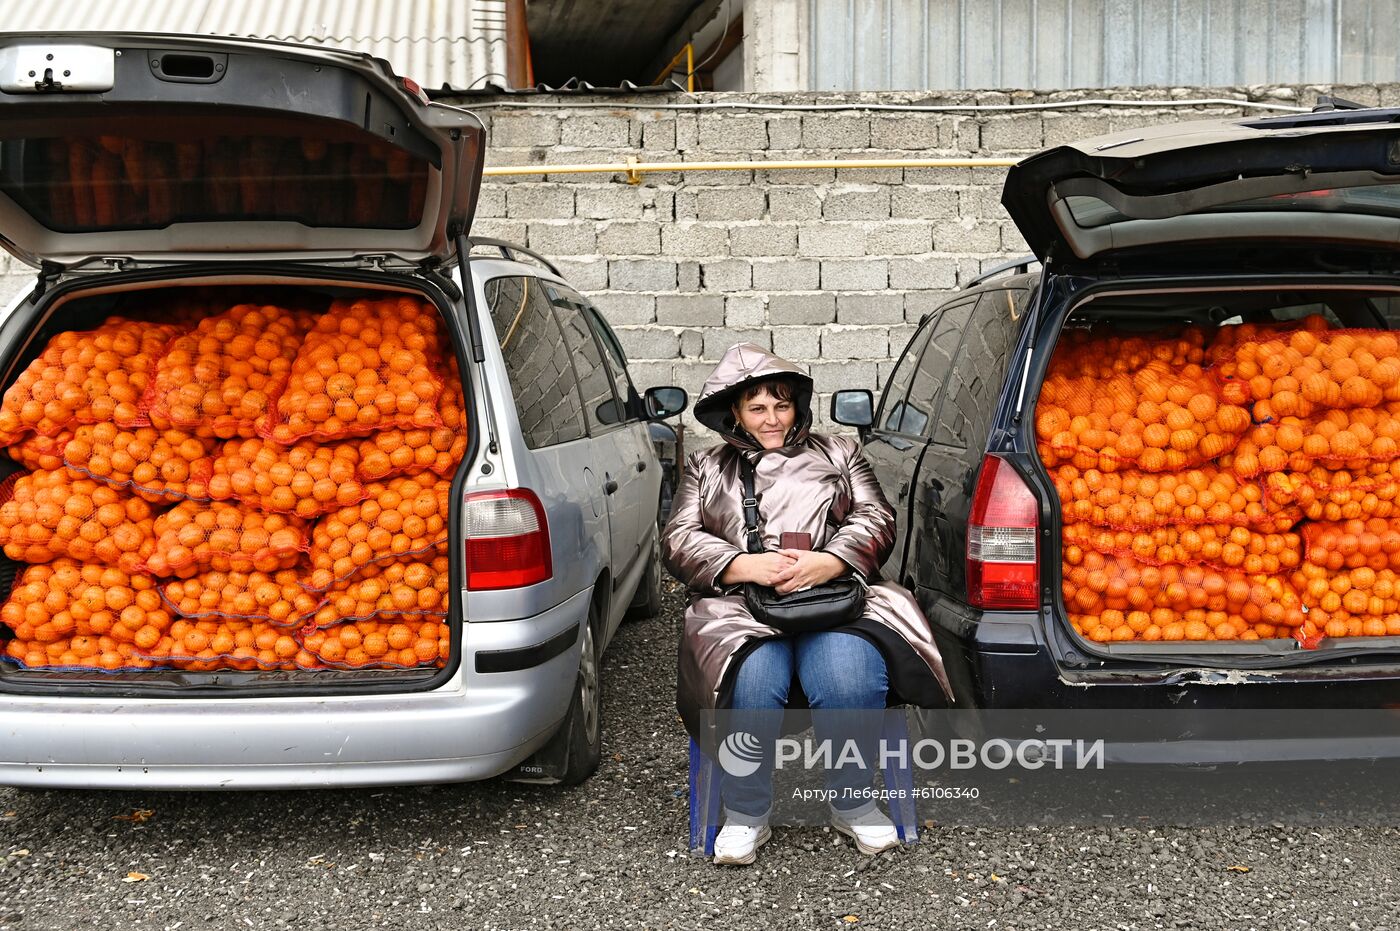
column 617, row 364
column 975, row 379
column 892, row 405
column 537, row 362
column 600, row 406
column 926, row 390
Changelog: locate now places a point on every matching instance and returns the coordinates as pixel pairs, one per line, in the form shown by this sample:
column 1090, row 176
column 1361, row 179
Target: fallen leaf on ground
column 850, row 919
column 1237, row 869
column 137, row 815
column 134, row 877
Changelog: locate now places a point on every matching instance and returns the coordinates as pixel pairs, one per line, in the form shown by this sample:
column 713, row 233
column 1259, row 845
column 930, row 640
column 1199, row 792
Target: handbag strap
column 753, row 538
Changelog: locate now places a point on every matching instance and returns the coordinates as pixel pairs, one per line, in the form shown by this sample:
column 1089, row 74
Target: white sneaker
column 737, row 844
column 873, row 832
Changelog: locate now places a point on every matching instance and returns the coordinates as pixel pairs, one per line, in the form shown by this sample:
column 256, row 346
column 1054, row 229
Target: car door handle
column 609, row 487
column 641, row 466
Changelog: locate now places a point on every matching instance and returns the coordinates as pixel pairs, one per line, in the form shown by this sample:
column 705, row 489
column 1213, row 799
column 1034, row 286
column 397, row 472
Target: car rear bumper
column 478, row 725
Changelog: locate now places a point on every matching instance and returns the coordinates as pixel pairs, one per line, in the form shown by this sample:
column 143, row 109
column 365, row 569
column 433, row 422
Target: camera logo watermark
column 741, row 754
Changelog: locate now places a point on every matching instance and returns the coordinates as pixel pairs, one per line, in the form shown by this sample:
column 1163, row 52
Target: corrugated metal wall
column 1044, row 44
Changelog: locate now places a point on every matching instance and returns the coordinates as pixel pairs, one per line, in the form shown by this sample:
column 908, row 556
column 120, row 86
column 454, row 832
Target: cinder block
column 829, row 130
column 918, row 303
column 912, row 131
column 787, row 275
column 730, row 204
column 923, row 203
column 967, row 136
column 595, row 131
column 892, row 238
column 815, row 308
column 856, row 342
column 763, row 239
column 629, row 237
column 641, row 275
column 829, row 377
column 687, row 131
column 687, row 238
column 567, row 238
column 511, row 130
column 589, row 274
column 881, row 307
column 509, row 230
column 870, row 175
column 688, row 276
column 855, row 274
column 648, row 342
column 491, row 202
column 540, row 201
column 1064, row 128
column 1022, row 132
column 967, row 235
column 608, row 202
column 794, row 203
column 867, row 203
column 621, row 308
column 834, row 239
column 691, row 310
column 899, row 339
column 659, row 135
column 726, row 275
column 692, row 343
column 1012, row 241
column 982, row 202
column 745, row 310
column 937, row 273
column 785, row 132
column 718, row 341
column 733, row 132
column 687, row 206
column 797, row 343
column 650, row 374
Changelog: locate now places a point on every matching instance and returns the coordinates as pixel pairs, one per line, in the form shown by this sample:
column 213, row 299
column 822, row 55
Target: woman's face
column 766, row 418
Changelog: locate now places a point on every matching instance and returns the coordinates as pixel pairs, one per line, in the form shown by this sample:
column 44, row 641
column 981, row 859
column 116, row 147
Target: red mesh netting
column 1349, row 581
column 365, row 366
column 54, row 514
column 1350, row 439
column 308, row 479
column 1118, row 598
column 400, row 452
column 1226, row 340
column 1333, row 495
column 1218, row 546
column 276, row 598
column 221, row 378
column 193, row 536
column 85, row 377
column 412, row 586
column 155, row 464
column 1104, row 352
column 70, row 614
column 1307, row 371
column 391, row 642
column 1156, row 420
column 37, row 451
column 401, row 517
column 1132, row 500
column 206, row 645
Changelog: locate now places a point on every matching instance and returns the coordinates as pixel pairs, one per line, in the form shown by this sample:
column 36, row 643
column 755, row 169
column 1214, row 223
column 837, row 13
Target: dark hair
column 779, row 386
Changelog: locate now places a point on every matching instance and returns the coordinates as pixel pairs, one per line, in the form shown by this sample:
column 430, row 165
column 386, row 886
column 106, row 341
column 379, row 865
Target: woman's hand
column 763, row 568
column 809, row 567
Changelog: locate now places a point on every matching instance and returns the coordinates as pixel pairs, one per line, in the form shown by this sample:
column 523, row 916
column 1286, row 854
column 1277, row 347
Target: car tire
column 583, row 726
column 646, row 603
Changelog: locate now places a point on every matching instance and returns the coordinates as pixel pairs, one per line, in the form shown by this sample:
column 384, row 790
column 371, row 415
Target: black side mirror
column 666, row 401
column 853, row 407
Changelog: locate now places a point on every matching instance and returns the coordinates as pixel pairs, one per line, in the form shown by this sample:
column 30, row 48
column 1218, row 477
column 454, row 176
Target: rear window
column 179, row 167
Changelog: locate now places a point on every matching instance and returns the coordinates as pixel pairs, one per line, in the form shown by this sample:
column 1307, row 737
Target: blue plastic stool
column 705, row 799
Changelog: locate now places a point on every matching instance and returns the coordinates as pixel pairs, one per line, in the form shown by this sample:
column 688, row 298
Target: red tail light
column 507, row 539
column 1002, row 540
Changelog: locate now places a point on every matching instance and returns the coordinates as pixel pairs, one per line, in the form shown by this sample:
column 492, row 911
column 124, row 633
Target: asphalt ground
column 612, row 854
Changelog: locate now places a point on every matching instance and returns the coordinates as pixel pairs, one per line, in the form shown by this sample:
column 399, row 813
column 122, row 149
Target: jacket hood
column 743, row 364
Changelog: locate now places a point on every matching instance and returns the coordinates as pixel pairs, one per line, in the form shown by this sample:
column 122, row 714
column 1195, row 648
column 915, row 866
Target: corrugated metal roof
column 435, row 42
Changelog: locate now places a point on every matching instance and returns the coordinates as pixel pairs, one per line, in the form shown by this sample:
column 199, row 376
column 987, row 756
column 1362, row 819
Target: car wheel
column 646, row 603
column 583, row 727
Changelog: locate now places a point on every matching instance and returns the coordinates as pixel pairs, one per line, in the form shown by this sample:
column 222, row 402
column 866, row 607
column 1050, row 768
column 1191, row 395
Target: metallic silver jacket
column 821, row 485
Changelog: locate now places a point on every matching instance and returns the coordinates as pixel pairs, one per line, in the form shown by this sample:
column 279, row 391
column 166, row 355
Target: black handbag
column 820, row 607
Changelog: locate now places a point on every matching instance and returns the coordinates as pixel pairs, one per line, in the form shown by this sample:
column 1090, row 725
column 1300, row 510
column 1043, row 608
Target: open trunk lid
column 161, row 148
column 1326, row 176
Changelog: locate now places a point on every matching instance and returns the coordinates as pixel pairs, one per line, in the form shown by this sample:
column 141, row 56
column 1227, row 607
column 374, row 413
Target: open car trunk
column 230, row 482
column 1226, row 471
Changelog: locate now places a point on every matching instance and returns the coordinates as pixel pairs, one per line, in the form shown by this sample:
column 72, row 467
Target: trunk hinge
column 49, row 273
column 431, row 269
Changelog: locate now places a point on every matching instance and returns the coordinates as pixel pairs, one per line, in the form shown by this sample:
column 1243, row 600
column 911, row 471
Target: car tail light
column 1002, row 546
column 507, row 539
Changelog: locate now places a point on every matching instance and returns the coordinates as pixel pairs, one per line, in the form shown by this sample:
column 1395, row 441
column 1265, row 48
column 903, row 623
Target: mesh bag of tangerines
column 1237, row 483
column 233, row 485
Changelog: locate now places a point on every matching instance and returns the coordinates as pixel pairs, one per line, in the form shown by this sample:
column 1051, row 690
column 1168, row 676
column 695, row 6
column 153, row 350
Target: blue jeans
column 838, row 672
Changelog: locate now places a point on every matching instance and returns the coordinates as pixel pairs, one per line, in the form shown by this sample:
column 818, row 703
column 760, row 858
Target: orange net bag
column 71, row 614
column 1218, row 546
column 1306, row 371
column 1373, row 543
column 41, row 452
column 1156, row 420
column 1351, row 439
column 90, row 376
column 390, row 642
column 206, row 645
column 1130, row 500
column 1338, row 494
column 308, row 479
column 193, row 536
column 1118, row 598
column 1103, row 353
column 365, row 366
column 401, row 517
column 1348, row 602
column 55, row 514
column 155, row 464
column 414, row 586
column 220, row 379
column 401, row 452
column 274, row 597
column 1225, row 341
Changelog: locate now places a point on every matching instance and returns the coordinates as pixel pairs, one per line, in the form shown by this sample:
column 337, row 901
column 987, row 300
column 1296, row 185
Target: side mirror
column 666, row 401
column 854, row 407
